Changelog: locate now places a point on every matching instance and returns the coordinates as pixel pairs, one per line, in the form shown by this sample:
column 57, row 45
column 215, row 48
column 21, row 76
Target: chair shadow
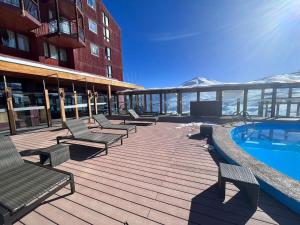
column 207, row 207
column 197, row 136
column 138, row 124
column 83, row 152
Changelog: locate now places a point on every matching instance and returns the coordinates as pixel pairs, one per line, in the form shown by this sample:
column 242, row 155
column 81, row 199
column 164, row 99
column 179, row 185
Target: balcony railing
column 29, row 5
column 66, row 27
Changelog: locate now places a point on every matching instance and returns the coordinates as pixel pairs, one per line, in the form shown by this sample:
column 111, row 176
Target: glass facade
column 187, row 98
column 155, row 103
column 232, row 102
column 171, row 106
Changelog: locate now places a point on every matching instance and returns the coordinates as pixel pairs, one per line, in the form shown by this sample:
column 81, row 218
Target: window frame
column 92, row 6
column 90, row 21
column 92, row 44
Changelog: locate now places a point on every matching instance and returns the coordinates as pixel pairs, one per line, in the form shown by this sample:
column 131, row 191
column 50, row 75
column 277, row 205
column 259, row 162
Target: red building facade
column 77, row 34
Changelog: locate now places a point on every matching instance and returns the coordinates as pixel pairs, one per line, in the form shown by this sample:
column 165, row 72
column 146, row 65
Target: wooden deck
column 159, row 176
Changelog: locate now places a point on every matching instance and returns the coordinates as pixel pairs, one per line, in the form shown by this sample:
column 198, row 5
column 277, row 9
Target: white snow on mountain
column 200, row 81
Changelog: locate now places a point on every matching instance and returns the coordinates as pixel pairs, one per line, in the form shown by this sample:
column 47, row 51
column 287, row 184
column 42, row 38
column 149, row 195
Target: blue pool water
column 275, row 144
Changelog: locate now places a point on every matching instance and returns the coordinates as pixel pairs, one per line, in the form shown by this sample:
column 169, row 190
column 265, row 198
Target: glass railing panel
column 187, row 98
column 155, row 103
column 12, row 2
column 254, row 102
column 29, row 109
column 32, row 8
column 208, row 96
column 171, row 103
column 232, row 102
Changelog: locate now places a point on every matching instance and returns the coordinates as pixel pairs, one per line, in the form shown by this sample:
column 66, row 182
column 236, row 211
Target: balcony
column 20, row 15
column 64, row 33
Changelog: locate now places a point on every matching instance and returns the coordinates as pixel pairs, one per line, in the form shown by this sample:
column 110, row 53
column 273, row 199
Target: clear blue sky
column 166, row 42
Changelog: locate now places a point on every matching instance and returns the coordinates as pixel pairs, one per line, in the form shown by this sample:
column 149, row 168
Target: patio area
column 159, row 176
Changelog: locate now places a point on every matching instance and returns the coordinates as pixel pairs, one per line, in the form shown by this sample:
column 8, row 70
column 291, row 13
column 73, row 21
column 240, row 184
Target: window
column 53, row 52
column 92, row 26
column 106, row 33
column 23, row 43
column 92, row 4
column 9, row 39
column 63, row 55
column 107, row 53
column 94, row 50
column 105, row 20
column 109, row 71
column 46, row 50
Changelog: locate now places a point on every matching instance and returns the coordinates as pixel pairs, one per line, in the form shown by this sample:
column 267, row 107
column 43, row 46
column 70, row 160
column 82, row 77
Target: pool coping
column 281, row 187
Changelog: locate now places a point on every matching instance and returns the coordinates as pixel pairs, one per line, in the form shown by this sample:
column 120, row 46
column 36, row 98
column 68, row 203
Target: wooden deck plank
column 158, row 176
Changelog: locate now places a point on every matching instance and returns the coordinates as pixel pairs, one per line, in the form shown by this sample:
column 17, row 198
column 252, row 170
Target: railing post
column 96, row 102
column 145, row 102
column 22, row 7
column 273, row 105
column 298, row 110
column 76, row 104
column 165, row 102
column 245, row 103
column 198, row 96
column 261, row 104
column 61, row 93
column 109, row 99
column 47, row 107
column 10, row 111
column 151, row 107
column 238, row 105
column 89, row 96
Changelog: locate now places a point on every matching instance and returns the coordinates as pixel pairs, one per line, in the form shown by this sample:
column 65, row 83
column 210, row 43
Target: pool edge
column 278, row 185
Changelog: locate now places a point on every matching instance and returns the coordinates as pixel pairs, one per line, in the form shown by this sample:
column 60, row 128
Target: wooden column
column 179, row 103
column 273, row 105
column 10, row 111
column 96, row 102
column 245, row 102
column 76, row 104
column 47, row 107
column 89, row 97
column 109, row 99
column 61, row 93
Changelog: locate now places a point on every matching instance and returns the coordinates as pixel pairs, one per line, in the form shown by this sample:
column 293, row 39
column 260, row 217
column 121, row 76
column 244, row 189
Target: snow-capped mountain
column 282, row 78
column 200, row 81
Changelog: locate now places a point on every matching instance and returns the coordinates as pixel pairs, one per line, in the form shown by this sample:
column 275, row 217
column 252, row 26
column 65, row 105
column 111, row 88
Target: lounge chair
column 24, row 185
column 81, row 132
column 135, row 116
column 105, row 123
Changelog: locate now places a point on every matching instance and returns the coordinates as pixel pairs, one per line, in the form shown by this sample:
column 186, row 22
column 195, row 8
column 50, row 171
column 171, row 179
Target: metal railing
column 29, row 5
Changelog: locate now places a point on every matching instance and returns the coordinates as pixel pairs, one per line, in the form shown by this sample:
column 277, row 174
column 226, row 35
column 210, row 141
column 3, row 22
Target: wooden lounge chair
column 24, row 185
column 81, row 132
column 135, row 116
column 105, row 123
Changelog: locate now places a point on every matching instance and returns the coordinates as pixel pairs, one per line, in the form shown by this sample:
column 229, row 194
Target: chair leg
column 135, row 129
column 57, row 140
column 127, row 133
column 122, row 141
column 222, row 187
column 72, row 185
column 106, row 149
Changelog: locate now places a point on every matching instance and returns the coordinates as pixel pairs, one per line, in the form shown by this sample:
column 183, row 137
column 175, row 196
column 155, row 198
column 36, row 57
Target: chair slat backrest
column 77, row 127
column 102, row 120
column 133, row 114
column 9, row 156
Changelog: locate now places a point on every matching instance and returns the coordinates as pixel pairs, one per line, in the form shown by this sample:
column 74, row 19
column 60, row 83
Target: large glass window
column 106, row 33
column 93, row 26
column 232, row 102
column 23, row 43
column 53, row 51
column 254, row 102
column 187, row 98
column 171, row 103
column 155, row 103
column 107, row 53
column 92, row 4
column 109, row 71
column 148, row 103
column 63, row 55
column 46, row 50
column 9, row 39
column 105, row 19
column 208, row 96
column 94, row 49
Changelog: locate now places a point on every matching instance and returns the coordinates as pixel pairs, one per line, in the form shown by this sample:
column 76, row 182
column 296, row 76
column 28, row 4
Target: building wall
column 80, row 58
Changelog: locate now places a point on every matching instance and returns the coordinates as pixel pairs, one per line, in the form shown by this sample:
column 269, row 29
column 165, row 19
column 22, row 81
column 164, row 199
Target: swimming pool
column 275, row 144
